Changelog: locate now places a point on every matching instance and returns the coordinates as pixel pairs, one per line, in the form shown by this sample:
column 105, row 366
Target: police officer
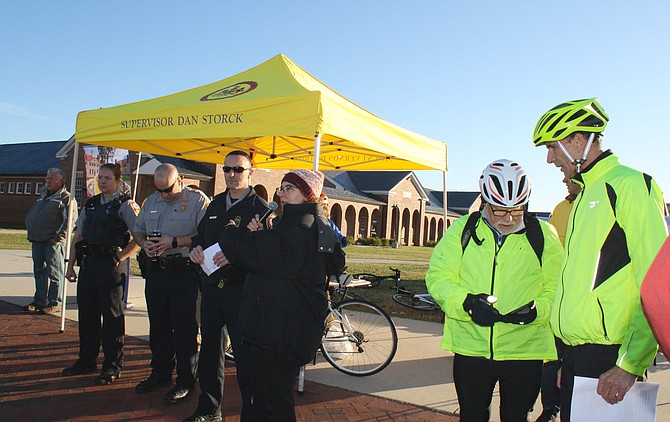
column 221, row 291
column 102, row 244
column 167, row 221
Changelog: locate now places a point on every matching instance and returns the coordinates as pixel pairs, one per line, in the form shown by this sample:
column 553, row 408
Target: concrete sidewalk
column 419, row 375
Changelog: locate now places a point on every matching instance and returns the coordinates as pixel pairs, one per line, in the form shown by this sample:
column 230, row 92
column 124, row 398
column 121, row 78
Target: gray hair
column 60, row 173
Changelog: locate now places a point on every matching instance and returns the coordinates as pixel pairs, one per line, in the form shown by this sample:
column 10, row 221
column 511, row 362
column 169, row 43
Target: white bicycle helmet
column 504, row 183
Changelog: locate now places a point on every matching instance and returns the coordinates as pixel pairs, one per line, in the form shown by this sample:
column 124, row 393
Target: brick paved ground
column 33, row 352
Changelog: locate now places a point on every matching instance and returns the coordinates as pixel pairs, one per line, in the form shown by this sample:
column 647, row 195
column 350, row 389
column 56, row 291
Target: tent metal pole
column 68, row 235
column 317, row 150
column 444, row 199
column 137, row 177
column 137, row 174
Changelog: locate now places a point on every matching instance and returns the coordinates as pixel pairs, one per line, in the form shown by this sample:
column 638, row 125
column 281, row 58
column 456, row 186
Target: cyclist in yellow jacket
column 494, row 275
column 615, row 229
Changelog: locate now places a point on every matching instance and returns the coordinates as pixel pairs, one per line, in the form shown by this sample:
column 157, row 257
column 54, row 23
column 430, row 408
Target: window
column 78, row 186
column 28, row 189
column 2, row 187
column 19, row 187
column 38, row 187
column 11, row 187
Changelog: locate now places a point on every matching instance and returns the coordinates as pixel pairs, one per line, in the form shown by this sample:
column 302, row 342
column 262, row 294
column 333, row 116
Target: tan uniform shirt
column 172, row 219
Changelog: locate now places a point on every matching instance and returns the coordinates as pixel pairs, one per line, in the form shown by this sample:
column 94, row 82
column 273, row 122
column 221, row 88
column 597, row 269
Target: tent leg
column 126, row 303
column 317, row 150
column 68, row 235
column 444, row 199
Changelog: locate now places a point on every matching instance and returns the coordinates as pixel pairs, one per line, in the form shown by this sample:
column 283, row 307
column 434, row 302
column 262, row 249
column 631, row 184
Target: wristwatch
column 116, row 258
column 174, row 242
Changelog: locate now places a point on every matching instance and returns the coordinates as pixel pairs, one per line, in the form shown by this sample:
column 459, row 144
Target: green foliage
column 373, row 241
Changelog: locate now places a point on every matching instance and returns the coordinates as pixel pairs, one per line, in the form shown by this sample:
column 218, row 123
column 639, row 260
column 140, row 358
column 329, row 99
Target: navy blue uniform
column 101, row 281
column 221, row 292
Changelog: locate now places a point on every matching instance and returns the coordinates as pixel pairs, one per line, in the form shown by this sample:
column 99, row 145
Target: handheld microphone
column 272, row 206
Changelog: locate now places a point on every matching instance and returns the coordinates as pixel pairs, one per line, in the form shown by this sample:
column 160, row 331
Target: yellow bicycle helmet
column 569, row 117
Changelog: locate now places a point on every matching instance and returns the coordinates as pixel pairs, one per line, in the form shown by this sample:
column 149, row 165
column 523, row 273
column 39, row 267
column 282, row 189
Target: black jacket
column 283, row 306
column 213, row 223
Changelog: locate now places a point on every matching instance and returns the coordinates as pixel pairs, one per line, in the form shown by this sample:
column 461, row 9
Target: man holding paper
column 164, row 227
column 222, row 289
column 614, row 230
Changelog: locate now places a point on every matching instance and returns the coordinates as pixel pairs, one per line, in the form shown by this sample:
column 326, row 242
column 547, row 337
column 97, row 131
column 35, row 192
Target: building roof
column 345, row 195
column 29, row 158
column 458, row 202
column 377, row 181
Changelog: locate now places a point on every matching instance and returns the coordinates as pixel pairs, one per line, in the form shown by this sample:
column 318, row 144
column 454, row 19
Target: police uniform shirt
column 128, row 211
column 172, row 219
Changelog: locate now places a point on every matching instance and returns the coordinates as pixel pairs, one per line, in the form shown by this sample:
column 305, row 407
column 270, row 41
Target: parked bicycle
column 360, row 338
column 375, row 280
column 403, row 296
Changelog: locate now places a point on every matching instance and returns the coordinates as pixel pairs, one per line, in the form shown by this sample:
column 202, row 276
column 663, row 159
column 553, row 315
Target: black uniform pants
column 273, row 380
column 173, row 329
column 549, row 391
column 587, row 360
column 220, row 307
column 100, row 288
column 475, row 378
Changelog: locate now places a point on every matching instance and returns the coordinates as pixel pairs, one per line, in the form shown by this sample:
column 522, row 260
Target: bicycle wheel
column 372, row 278
column 419, row 302
column 359, row 339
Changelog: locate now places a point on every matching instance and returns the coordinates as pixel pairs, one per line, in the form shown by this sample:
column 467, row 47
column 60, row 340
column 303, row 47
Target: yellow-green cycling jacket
column 615, row 229
column 513, row 273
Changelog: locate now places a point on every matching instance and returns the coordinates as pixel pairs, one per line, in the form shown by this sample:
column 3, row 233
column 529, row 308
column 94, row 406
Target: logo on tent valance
column 234, row 90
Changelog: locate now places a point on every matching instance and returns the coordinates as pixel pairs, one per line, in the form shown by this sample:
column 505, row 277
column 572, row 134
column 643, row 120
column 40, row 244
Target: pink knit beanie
column 309, row 182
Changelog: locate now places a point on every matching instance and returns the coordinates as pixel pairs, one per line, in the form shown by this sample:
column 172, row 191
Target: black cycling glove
column 523, row 315
column 481, row 310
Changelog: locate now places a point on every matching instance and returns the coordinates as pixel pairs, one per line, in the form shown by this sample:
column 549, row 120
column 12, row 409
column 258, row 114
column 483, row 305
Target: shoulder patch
column 134, row 206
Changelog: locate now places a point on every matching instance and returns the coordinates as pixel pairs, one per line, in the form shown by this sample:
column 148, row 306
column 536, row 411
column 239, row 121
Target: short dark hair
column 240, row 153
column 115, row 168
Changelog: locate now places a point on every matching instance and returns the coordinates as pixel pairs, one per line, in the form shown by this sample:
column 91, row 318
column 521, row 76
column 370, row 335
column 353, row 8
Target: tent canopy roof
column 274, row 111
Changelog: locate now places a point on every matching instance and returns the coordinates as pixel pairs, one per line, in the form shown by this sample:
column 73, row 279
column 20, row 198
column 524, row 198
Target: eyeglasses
column 168, row 189
column 504, row 212
column 236, row 169
column 285, row 188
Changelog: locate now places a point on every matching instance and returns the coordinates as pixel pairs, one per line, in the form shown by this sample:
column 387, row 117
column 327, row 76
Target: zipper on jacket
column 498, row 245
column 602, row 314
column 567, row 254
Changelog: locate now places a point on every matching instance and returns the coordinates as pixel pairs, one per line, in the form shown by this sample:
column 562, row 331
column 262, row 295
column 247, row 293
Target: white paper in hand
column 208, row 265
column 638, row 405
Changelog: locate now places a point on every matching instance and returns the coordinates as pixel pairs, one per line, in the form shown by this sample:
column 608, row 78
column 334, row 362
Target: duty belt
column 100, row 249
column 173, row 262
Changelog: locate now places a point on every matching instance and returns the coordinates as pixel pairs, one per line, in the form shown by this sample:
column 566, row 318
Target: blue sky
column 476, row 75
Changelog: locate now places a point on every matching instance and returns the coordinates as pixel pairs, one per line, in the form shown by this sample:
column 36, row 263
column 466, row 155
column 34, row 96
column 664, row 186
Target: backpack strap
column 469, row 230
column 534, row 235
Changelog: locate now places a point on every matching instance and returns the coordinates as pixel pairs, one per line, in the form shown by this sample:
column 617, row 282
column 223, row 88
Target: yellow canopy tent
column 276, row 110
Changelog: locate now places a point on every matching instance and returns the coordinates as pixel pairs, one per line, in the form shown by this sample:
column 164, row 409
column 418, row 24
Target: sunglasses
column 168, row 189
column 285, row 189
column 236, row 169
